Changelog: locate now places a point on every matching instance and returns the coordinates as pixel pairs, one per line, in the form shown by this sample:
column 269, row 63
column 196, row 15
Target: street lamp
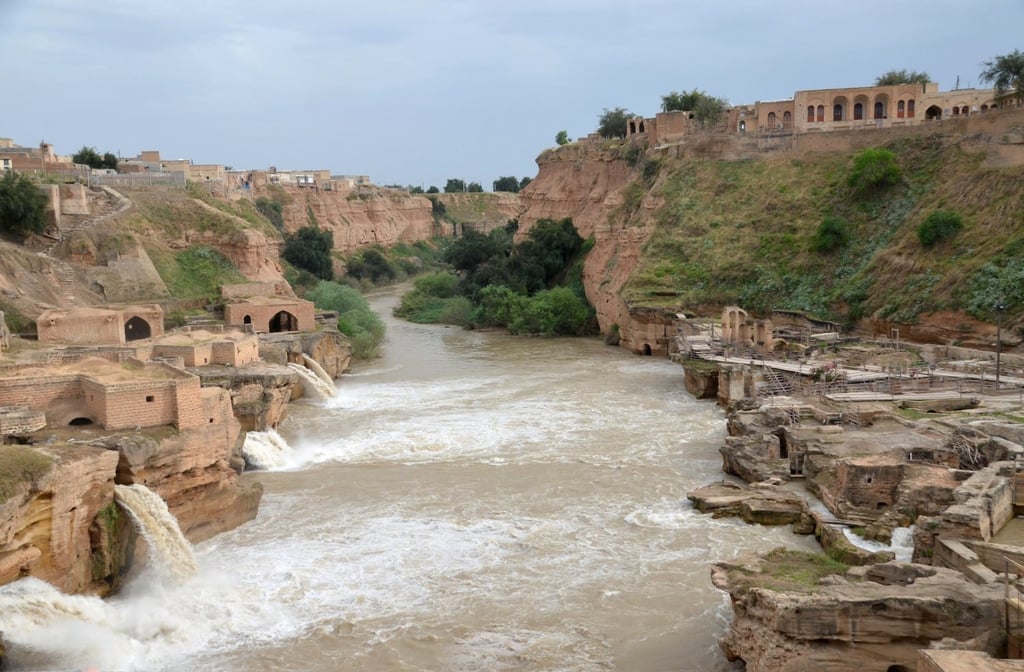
column 1000, row 307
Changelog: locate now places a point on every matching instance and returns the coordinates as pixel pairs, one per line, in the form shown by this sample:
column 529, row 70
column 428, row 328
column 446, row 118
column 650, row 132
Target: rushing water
column 471, row 501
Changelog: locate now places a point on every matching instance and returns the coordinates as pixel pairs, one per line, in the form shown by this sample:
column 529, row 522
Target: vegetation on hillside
column 1006, row 74
column 531, row 288
column 895, row 77
column 90, row 157
column 355, row 319
column 707, row 109
column 833, row 234
column 22, row 205
column 18, row 465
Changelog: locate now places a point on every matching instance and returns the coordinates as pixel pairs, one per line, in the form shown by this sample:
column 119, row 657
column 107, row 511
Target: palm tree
column 1006, row 73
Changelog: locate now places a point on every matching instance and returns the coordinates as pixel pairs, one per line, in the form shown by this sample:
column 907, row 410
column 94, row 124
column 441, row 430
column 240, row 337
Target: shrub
column 873, row 170
column 832, row 234
column 938, row 226
column 355, row 319
column 272, row 211
column 310, row 248
column 22, row 205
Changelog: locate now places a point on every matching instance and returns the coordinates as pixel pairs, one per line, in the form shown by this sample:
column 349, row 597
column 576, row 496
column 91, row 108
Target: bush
column 355, row 319
column 22, row 205
column 873, row 170
column 938, row 226
column 310, row 248
column 272, row 211
column 832, row 234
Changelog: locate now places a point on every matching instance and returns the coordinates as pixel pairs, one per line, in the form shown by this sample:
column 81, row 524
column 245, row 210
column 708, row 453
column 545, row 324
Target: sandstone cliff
column 874, row 618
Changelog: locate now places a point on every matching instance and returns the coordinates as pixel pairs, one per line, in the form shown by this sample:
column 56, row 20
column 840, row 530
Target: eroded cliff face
column 584, row 181
column 360, row 218
column 45, row 526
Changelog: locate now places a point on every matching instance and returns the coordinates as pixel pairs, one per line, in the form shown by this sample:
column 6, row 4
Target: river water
column 470, row 501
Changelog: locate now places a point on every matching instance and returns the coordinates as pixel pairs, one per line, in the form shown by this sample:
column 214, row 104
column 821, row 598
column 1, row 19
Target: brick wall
column 867, row 486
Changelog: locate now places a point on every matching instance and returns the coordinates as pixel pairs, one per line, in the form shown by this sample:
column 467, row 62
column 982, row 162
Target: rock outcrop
column 259, row 392
column 329, row 347
column 47, row 524
column 869, row 619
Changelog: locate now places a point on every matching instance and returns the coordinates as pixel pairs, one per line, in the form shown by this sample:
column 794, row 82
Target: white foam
column 266, row 450
column 170, row 552
column 315, row 367
column 312, row 384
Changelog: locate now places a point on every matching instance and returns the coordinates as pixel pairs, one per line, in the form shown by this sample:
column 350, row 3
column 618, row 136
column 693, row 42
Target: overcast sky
column 418, row 91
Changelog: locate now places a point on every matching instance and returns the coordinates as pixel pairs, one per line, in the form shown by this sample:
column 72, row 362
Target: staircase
column 776, row 384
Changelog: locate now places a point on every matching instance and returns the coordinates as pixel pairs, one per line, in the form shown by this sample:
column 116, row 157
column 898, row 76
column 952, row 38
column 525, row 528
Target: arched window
column 810, row 113
column 787, row 120
column 901, row 109
column 632, row 127
column 965, row 110
column 641, row 127
column 771, row 120
column 956, row 111
column 283, row 321
column 821, row 113
column 984, row 108
column 879, row 110
column 837, row 112
column 933, row 112
column 910, row 107
column 858, row 111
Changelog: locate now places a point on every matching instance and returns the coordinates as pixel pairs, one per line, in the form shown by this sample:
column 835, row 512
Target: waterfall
column 265, row 450
column 312, row 384
column 168, row 548
column 315, row 367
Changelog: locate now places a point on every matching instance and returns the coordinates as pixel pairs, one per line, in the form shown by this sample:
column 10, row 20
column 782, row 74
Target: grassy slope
column 740, row 232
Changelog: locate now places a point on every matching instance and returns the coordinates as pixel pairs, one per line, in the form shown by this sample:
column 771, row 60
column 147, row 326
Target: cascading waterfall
column 312, row 384
column 315, row 367
column 168, row 548
column 265, row 450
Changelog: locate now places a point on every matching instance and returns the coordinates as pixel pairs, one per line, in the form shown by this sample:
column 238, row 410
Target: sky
column 414, row 92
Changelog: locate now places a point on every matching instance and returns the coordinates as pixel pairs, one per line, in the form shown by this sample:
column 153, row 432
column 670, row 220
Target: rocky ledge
column 798, row 612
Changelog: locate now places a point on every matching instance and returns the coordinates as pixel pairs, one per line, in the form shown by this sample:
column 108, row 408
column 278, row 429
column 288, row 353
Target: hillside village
column 118, row 395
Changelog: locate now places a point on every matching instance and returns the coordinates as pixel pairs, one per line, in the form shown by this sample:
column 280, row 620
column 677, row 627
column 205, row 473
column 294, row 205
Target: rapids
column 470, row 501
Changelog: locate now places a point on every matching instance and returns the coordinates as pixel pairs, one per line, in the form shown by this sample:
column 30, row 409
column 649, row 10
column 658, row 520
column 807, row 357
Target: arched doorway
column 136, row 329
column 283, row 321
column 933, row 112
column 647, row 349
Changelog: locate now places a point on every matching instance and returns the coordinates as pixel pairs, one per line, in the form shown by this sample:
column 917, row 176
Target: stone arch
column 821, row 113
column 840, row 108
column 910, row 108
column 641, row 127
column 647, row 350
column 80, row 421
column 632, row 126
column 933, row 112
column 283, row 321
column 247, row 319
column 810, row 113
column 743, row 126
column 787, row 119
column 137, row 329
column 901, row 109
column 771, row 120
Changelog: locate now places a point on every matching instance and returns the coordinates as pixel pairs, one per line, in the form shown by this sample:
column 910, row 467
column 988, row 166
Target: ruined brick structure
column 266, row 314
column 100, row 326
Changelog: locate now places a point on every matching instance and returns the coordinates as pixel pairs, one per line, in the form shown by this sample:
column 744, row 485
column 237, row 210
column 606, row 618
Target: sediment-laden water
column 471, row 501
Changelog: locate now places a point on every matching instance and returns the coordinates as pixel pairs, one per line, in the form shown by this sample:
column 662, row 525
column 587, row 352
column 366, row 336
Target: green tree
column 562, row 138
column 109, row 161
column 355, row 319
column 707, row 109
column 22, row 205
column 1006, row 74
column 309, row 248
column 433, row 190
column 894, row 77
column 454, row 186
column 612, row 123
column 523, row 182
column 508, row 183
column 475, row 188
column 88, row 156
column 832, row 234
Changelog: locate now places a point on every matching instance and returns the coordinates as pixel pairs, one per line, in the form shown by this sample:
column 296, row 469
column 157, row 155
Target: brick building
column 271, row 314
column 100, row 326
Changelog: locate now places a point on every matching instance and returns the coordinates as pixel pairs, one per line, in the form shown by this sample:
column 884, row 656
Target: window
column 150, row 398
column 858, row 111
column 956, row 110
column 900, row 109
column 910, row 107
column 810, row 113
column 771, row 120
column 879, row 110
column 837, row 112
column 787, row 120
column 821, row 113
